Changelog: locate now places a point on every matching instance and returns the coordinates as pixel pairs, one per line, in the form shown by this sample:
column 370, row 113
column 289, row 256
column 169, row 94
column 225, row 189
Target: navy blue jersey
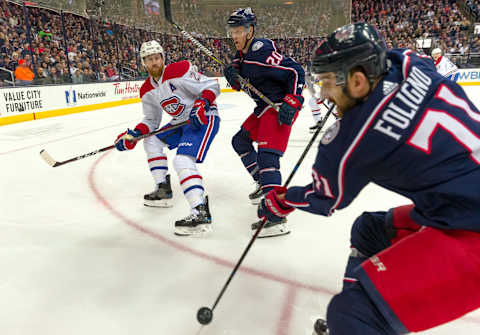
column 270, row 72
column 417, row 134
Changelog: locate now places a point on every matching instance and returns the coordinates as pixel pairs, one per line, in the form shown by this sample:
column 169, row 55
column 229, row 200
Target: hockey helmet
column 242, row 17
column 436, row 51
column 150, row 48
column 352, row 45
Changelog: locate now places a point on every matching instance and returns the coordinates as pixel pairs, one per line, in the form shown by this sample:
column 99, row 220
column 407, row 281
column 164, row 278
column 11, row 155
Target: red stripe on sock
column 157, row 159
column 191, row 177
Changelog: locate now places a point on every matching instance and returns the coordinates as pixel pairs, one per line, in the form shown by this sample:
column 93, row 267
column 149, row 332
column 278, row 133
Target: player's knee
column 267, row 159
column 153, row 146
column 241, row 142
column 368, row 234
column 182, row 162
column 353, row 312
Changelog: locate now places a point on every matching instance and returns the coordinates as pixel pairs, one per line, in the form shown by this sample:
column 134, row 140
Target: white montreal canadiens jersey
column 175, row 93
column 445, row 67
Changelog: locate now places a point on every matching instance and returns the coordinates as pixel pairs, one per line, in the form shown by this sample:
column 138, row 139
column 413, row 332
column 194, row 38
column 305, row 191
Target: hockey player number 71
column 422, row 136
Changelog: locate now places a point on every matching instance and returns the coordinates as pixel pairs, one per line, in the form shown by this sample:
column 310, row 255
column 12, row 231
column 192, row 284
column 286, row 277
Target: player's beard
column 155, row 71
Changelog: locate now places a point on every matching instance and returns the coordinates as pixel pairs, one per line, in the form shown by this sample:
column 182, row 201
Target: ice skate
column 195, row 224
column 162, row 197
column 256, row 195
column 271, row 229
column 320, row 327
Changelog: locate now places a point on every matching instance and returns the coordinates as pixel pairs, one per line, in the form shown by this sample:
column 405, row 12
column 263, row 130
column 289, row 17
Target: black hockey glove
column 231, row 74
column 289, row 108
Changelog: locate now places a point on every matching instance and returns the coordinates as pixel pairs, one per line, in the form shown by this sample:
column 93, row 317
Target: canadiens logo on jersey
column 172, row 106
column 331, row 133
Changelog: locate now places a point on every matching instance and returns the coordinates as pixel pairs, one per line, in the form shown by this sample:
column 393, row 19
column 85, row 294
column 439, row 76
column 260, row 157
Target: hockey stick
column 244, row 84
column 205, row 314
column 53, row 163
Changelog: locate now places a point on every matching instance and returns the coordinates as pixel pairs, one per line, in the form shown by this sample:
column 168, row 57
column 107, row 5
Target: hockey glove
column 289, row 108
column 197, row 114
column 126, row 140
column 272, row 207
column 231, row 74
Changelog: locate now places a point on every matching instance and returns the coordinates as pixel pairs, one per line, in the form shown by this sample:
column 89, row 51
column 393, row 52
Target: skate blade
column 199, row 231
column 277, row 230
column 164, row 203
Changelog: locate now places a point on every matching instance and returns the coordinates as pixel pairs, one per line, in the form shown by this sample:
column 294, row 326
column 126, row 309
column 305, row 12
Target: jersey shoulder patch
column 175, row 70
column 257, row 45
column 146, row 87
column 331, row 133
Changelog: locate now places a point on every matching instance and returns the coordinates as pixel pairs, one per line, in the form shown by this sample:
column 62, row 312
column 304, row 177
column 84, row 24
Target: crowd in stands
column 96, row 50
column 473, row 7
column 403, row 22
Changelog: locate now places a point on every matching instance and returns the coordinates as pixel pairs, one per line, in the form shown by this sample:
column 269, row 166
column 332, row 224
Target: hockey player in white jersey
column 317, row 104
column 444, row 65
column 184, row 94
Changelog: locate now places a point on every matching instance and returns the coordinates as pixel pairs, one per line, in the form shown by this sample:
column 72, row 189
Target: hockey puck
column 204, row 315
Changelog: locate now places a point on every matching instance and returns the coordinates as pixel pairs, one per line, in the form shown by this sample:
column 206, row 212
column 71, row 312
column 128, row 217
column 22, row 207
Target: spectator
column 23, row 74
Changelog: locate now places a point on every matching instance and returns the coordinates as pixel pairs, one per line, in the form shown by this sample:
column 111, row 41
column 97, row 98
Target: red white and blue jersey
column 417, row 134
column 175, row 93
column 270, row 72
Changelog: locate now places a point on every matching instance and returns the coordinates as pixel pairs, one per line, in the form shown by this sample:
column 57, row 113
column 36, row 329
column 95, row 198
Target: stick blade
column 48, row 159
column 168, row 10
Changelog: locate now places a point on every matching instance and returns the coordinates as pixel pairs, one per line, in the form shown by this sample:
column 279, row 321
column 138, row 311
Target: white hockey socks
column 157, row 160
column 190, row 180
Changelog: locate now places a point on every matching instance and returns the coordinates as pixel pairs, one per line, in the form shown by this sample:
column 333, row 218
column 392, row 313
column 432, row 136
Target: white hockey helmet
column 150, row 48
column 436, row 51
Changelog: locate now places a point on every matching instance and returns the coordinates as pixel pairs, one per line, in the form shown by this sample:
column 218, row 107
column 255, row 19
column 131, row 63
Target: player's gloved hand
column 197, row 114
column 231, row 72
column 272, row 207
column 289, row 108
column 126, row 140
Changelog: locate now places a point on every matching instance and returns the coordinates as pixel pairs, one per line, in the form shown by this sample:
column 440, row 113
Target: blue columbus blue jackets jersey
column 270, row 72
column 417, row 134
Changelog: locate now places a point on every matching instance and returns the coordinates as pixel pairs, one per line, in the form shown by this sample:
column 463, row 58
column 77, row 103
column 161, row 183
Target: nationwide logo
column 465, row 76
column 71, row 97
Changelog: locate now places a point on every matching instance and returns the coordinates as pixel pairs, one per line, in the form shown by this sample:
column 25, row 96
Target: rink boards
column 20, row 104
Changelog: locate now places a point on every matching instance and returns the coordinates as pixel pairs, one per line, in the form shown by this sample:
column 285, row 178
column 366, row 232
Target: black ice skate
column 162, row 197
column 195, row 224
column 320, row 327
column 271, row 229
column 256, row 195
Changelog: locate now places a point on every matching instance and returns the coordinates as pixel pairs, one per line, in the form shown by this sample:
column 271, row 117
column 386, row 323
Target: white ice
column 80, row 254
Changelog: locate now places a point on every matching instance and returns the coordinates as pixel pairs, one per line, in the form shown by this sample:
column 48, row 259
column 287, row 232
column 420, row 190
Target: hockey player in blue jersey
column 280, row 79
column 408, row 129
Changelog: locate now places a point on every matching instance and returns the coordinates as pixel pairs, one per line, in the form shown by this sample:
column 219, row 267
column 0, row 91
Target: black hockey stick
column 205, row 314
column 53, row 163
column 244, row 84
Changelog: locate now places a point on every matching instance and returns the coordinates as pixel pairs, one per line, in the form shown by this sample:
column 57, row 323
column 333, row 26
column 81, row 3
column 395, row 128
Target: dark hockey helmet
column 357, row 44
column 242, row 17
